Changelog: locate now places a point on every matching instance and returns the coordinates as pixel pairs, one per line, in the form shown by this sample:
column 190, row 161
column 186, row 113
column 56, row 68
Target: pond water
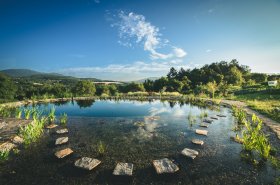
column 113, row 123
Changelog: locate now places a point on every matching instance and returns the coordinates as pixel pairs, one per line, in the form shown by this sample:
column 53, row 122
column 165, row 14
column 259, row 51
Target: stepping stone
column 189, row 153
column 7, row 146
column 201, row 132
column 87, row 163
column 237, row 140
column 221, row 115
column 61, row 140
column 3, row 124
column 17, row 140
column 207, row 120
column 51, row 126
column 204, row 125
column 123, row 169
column 62, row 131
column 214, row 118
column 165, row 166
column 63, row 153
column 197, row 142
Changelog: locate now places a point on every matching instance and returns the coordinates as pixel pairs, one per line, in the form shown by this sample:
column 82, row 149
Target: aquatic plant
column 191, row 118
column 63, row 119
column 202, row 115
column 31, row 132
column 254, row 139
column 101, row 148
column 18, row 113
column 51, row 115
column 4, row 155
column 239, row 114
column 27, row 113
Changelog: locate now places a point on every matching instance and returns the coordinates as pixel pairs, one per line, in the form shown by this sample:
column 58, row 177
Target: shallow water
column 113, row 123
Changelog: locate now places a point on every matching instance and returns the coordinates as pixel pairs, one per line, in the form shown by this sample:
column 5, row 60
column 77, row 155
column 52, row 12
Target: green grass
column 63, row 119
column 4, row 155
column 101, row 148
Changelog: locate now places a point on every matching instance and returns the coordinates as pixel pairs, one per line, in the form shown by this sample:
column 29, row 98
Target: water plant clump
column 51, row 116
column 63, row 119
column 4, row 155
column 31, row 132
column 191, row 119
column 18, row 113
column 254, row 140
column 240, row 115
column 27, row 113
column 101, row 148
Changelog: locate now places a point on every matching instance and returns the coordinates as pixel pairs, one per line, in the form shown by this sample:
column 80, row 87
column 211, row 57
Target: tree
column 172, row 73
column 259, row 77
column 159, row 84
column 84, row 87
column 212, row 87
column 7, row 88
column 235, row 76
column 148, row 85
column 113, row 89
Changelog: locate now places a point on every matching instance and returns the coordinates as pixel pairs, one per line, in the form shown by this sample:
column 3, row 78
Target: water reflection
column 85, row 103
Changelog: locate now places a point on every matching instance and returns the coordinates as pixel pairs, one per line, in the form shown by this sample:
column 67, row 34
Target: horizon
column 120, row 40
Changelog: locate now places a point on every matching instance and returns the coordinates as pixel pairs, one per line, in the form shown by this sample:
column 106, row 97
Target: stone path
column 61, row 140
column 197, row 142
column 165, row 166
column 87, row 163
column 189, row 153
column 123, row 169
column 63, row 153
column 201, row 132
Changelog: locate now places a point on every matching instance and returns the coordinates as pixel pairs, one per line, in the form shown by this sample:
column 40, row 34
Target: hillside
column 20, row 72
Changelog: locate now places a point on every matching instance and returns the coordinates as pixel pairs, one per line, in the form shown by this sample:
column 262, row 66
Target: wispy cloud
column 208, row 50
column 134, row 27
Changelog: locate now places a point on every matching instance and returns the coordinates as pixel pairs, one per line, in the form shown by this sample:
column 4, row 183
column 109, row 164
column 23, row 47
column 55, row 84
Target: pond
column 129, row 135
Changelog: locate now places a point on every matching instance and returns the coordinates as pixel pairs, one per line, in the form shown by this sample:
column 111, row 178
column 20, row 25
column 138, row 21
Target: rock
column 61, row 140
column 237, row 139
column 62, row 131
column 204, row 125
column 201, row 132
column 221, row 115
column 189, row 153
column 51, row 126
column 123, row 169
column 63, row 153
column 165, row 166
column 17, row 140
column 7, row 146
column 87, row 163
column 197, row 142
column 212, row 117
column 3, row 124
column 207, row 120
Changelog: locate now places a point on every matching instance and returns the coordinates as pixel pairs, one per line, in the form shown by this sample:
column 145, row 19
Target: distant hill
column 20, row 72
column 143, row 80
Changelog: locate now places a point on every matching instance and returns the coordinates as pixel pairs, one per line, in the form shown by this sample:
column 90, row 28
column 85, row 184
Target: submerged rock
column 207, row 120
column 62, row 131
column 123, row 169
column 221, row 115
column 189, row 153
column 87, row 163
column 17, row 140
column 61, row 140
column 214, row 118
column 237, row 139
column 197, row 142
column 63, row 153
column 7, row 146
column 201, row 132
column 165, row 166
column 51, row 126
column 204, row 125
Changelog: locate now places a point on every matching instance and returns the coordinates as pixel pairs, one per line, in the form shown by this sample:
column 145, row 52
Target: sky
column 135, row 39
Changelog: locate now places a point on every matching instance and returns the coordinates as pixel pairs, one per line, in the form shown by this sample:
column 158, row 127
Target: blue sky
column 133, row 39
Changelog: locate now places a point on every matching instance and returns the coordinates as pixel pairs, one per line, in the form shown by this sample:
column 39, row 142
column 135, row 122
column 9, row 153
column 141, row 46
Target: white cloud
column 134, row 26
column 208, row 50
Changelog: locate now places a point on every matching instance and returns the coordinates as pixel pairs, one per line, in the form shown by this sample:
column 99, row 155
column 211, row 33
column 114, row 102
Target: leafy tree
column 113, row 89
column 7, row 88
column 172, row 73
column 84, row 87
column 149, row 85
column 211, row 87
column 235, row 76
column 259, row 77
column 160, row 84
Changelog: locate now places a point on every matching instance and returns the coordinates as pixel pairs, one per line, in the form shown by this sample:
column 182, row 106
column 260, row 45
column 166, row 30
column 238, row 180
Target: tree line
column 218, row 77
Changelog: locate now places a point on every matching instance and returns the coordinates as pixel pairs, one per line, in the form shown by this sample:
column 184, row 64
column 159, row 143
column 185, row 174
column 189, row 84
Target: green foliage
column 240, row 115
column 27, row 113
column 31, row 132
column 101, row 148
column 7, row 88
column 191, row 119
column 63, row 119
column 4, row 155
column 212, row 87
column 254, row 139
column 51, row 116
column 18, row 113
column 84, row 88
column 203, row 115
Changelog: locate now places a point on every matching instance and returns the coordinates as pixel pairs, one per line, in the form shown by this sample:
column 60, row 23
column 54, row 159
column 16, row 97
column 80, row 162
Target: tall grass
column 51, row 116
column 63, row 119
column 191, row 118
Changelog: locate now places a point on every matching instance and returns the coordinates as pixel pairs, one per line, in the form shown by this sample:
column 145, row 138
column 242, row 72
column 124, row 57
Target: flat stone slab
column 201, row 132
column 63, row 153
column 189, row 153
column 61, row 140
column 123, row 169
column 17, row 140
column 87, row 163
column 237, row 140
column 197, row 142
column 221, row 115
column 62, row 131
column 212, row 117
column 3, row 124
column 207, row 120
column 7, row 146
column 204, row 125
column 165, row 166
column 51, row 126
